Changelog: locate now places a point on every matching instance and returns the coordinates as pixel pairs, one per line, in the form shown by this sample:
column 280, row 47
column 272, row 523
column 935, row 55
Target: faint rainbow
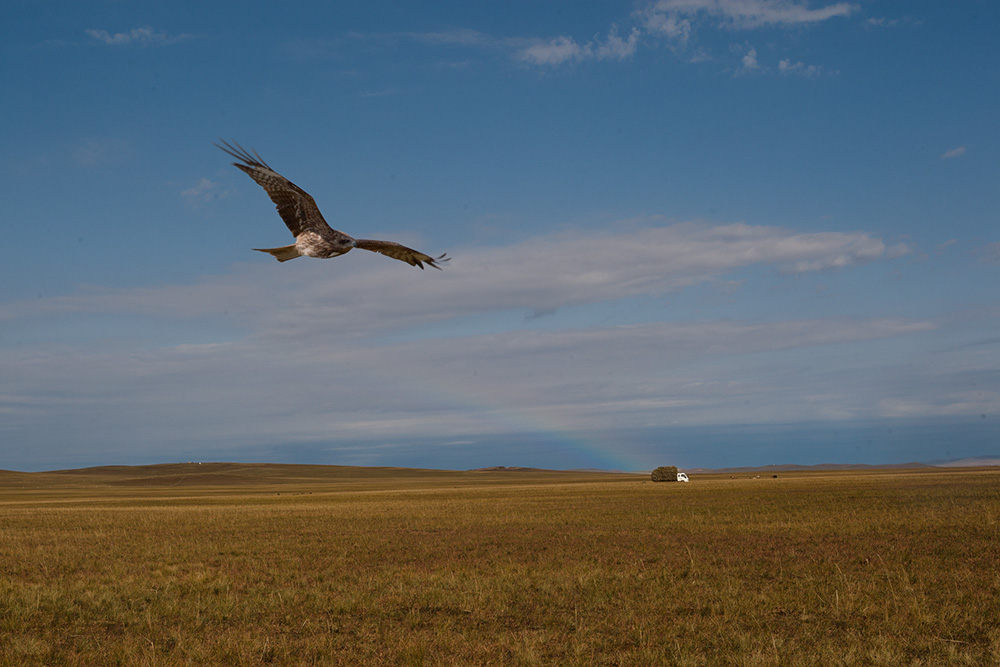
column 602, row 451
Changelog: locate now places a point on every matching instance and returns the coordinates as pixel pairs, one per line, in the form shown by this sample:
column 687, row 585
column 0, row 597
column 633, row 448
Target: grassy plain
column 226, row 564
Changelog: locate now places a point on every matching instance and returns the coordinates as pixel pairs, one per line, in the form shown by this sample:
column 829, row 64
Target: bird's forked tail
column 282, row 254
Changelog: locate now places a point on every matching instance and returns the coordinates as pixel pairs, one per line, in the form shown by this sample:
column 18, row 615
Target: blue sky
column 695, row 232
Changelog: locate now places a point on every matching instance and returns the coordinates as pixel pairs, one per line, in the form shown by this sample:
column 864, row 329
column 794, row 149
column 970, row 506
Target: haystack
column 665, row 474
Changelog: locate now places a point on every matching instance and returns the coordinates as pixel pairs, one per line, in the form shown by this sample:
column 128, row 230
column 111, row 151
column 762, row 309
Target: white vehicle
column 682, row 477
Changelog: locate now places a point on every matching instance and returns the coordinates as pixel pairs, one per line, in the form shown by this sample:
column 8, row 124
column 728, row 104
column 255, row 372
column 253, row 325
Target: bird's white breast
column 312, row 244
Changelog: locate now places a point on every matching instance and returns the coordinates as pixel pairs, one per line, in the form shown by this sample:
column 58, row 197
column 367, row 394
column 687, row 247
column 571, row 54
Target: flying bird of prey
column 313, row 236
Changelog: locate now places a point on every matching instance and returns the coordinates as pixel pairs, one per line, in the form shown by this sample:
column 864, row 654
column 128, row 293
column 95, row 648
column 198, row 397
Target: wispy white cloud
column 562, row 49
column 990, row 253
column 946, row 405
column 615, row 47
column 881, row 22
column 144, row 36
column 953, row 153
column 95, row 152
column 671, row 25
column 886, row 22
column 674, row 22
column 678, row 21
column 204, row 191
column 786, row 66
column 749, row 61
column 315, row 386
column 898, row 250
column 541, row 275
column 542, row 52
column 555, row 51
column 739, row 14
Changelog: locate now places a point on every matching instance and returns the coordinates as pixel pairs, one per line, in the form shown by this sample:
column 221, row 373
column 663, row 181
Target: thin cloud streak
column 94, row 152
column 204, row 192
column 559, row 50
column 322, row 388
column 143, row 37
column 739, row 14
column 539, row 275
column 956, row 152
column 674, row 21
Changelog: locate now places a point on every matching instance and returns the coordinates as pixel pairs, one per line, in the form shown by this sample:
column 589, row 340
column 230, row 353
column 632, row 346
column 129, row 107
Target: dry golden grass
column 309, row 565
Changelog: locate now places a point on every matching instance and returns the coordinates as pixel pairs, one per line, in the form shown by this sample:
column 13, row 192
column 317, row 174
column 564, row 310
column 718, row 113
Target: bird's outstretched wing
column 295, row 206
column 400, row 252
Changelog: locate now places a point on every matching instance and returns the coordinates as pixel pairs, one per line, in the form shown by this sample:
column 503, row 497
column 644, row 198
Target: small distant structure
column 668, row 474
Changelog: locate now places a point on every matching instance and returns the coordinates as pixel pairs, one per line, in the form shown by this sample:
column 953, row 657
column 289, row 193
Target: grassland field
column 229, row 564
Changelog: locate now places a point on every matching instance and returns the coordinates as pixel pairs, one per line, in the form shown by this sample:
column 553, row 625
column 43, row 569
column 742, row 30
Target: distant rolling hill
column 251, row 475
column 257, row 475
column 976, row 462
column 216, row 474
column 821, row 467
